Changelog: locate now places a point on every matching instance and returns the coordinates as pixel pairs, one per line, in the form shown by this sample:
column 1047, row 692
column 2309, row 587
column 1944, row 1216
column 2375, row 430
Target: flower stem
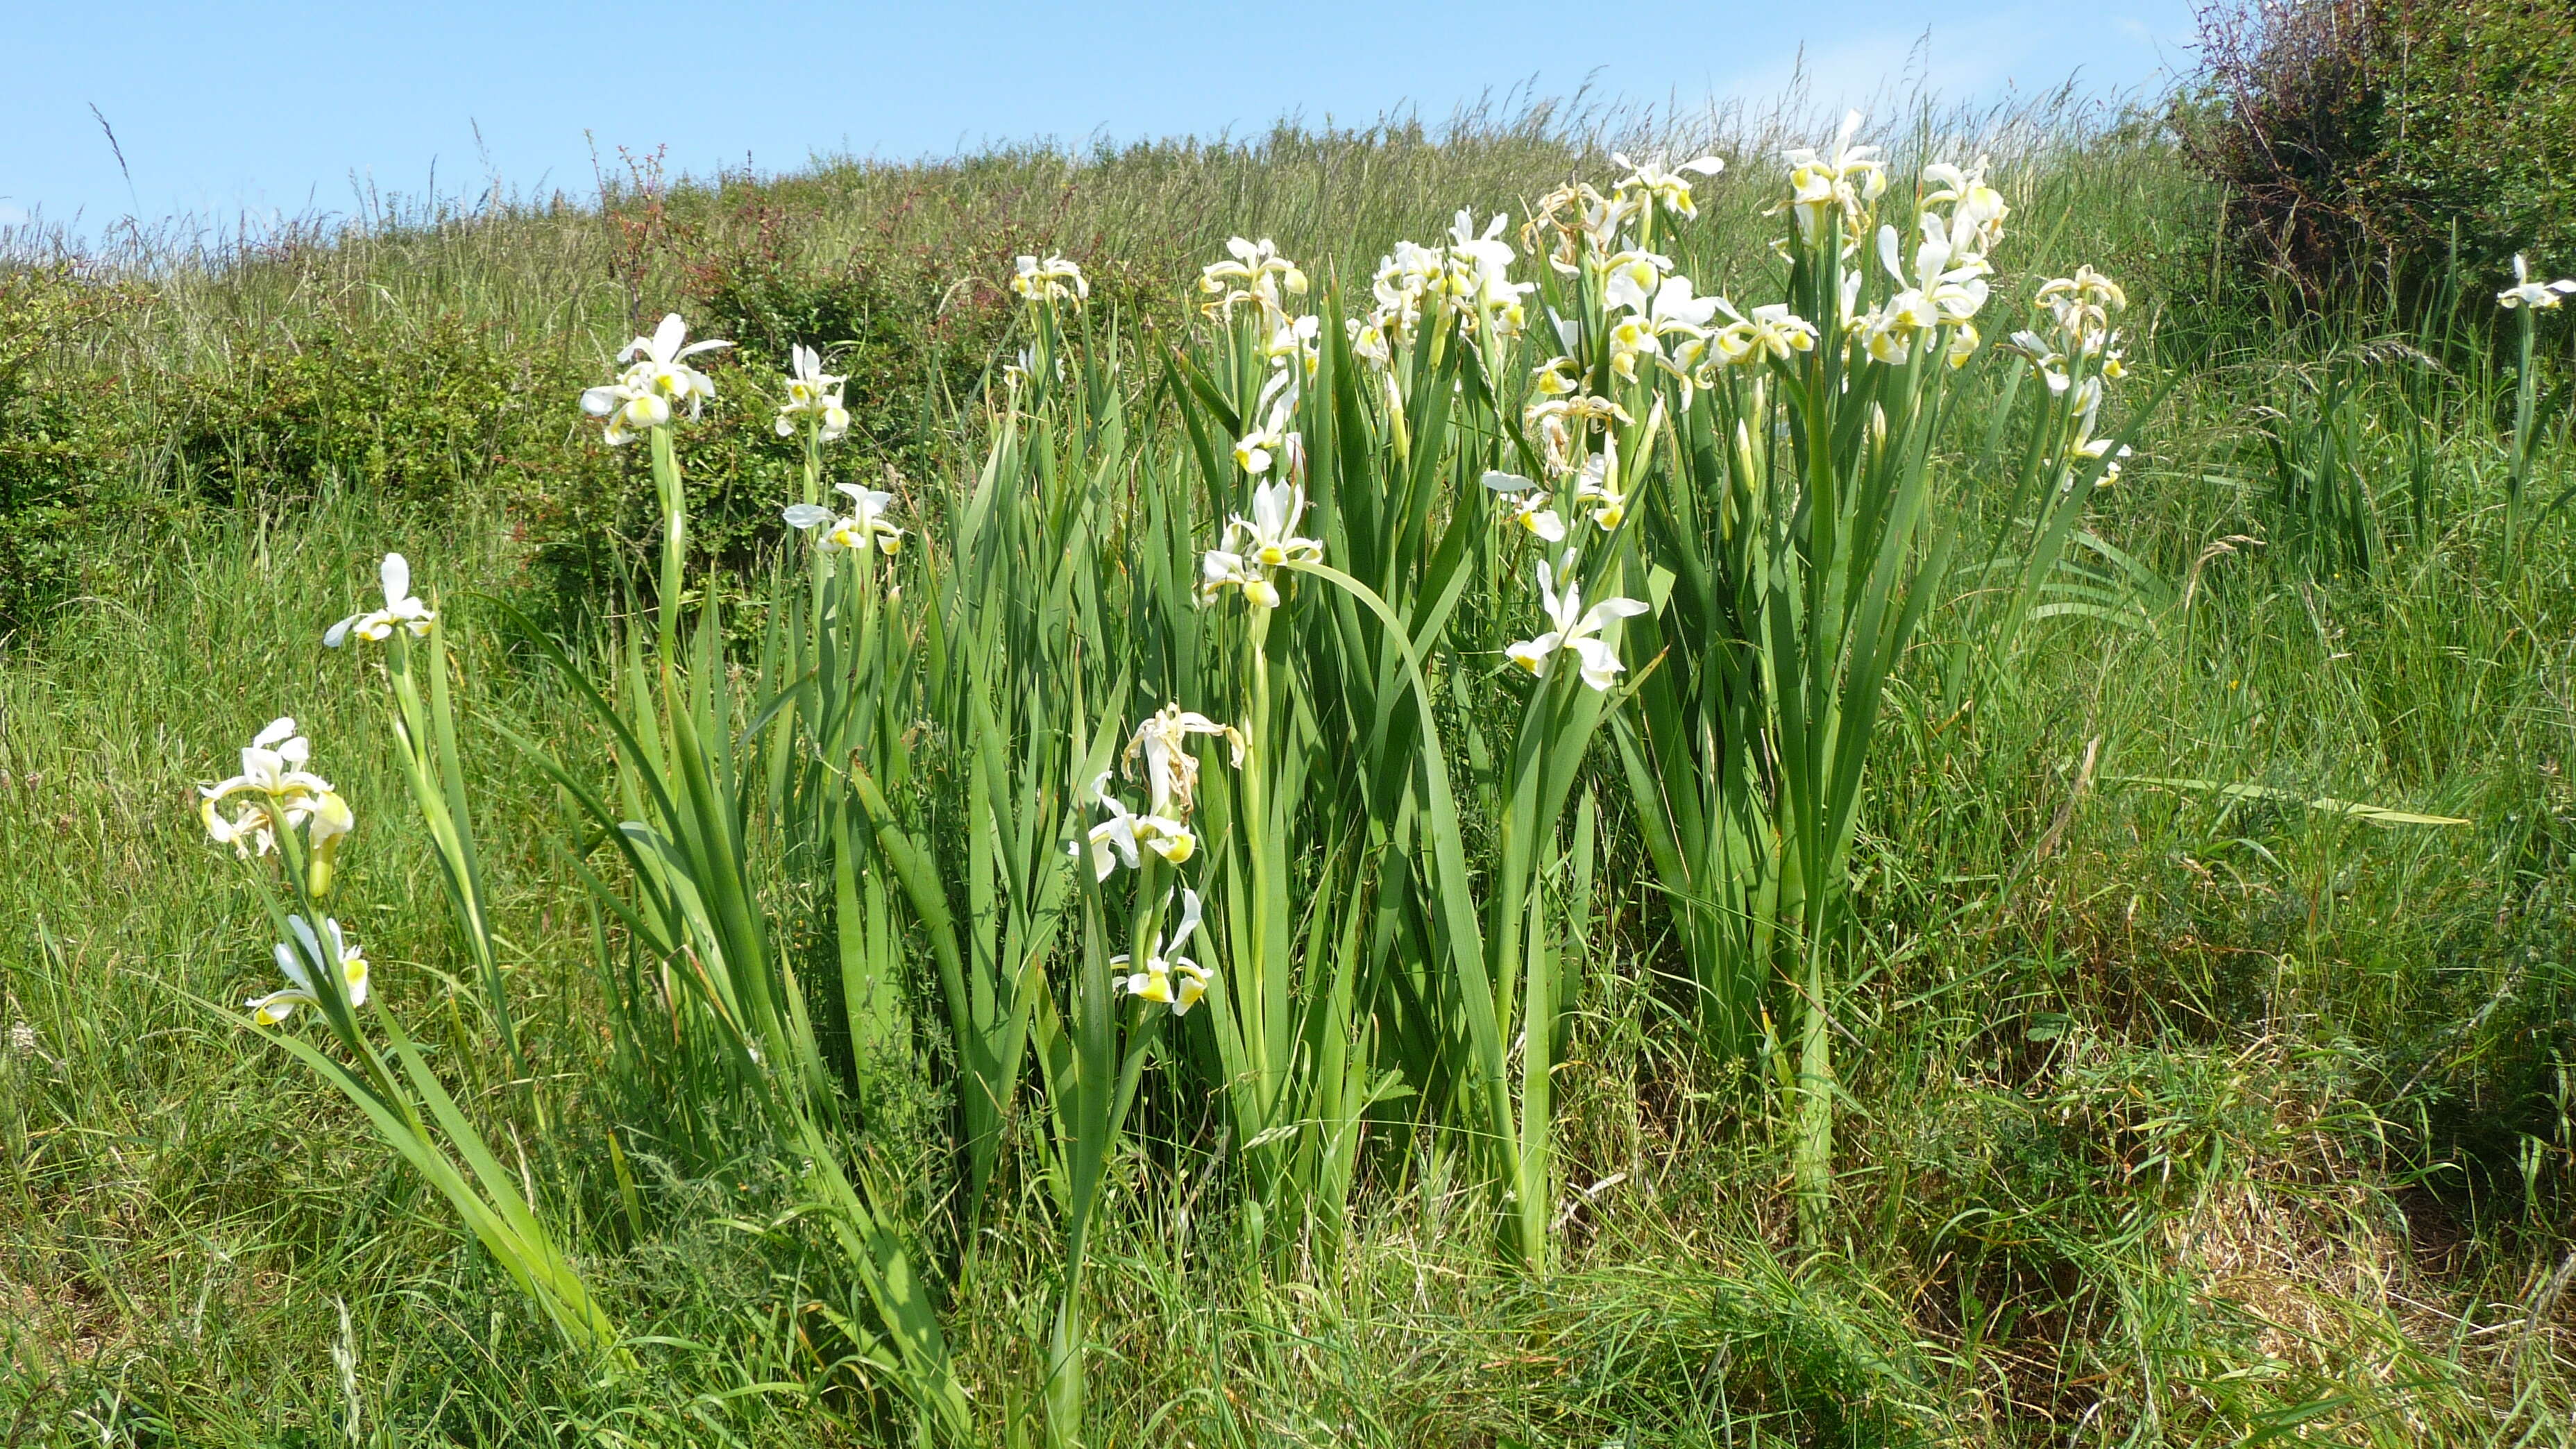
column 2519, row 477
column 675, row 538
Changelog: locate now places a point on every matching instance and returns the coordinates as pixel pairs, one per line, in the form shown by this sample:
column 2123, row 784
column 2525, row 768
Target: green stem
column 2523, row 399
column 1812, row 1157
column 675, row 538
column 1254, row 1004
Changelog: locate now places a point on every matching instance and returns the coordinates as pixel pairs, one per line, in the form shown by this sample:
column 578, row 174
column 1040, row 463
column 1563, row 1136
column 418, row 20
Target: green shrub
column 60, row 441
column 416, row 414
column 2361, row 138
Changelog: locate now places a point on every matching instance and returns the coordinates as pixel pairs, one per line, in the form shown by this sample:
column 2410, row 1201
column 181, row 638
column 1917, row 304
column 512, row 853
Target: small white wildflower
column 1252, row 547
column 1049, row 279
column 656, row 381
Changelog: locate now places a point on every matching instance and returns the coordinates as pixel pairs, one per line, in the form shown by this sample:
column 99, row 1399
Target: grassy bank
column 2177, row 1100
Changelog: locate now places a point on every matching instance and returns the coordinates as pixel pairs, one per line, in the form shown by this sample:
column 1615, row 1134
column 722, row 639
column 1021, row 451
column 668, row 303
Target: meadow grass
column 2171, row 1111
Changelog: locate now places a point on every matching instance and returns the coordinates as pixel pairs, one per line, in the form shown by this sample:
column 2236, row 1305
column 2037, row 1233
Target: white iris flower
column 282, row 795
column 1669, row 190
column 337, row 954
column 1161, row 748
column 1293, row 341
column 2086, row 407
column 864, row 528
column 401, row 610
column 1049, row 279
column 1115, row 841
column 657, row 381
column 1254, row 451
column 2538, row 296
column 2083, row 305
column 1847, row 178
column 1631, row 277
column 1528, row 504
column 1674, row 324
column 1772, row 333
column 1977, row 210
column 1577, row 629
column 815, row 394
column 630, row 405
column 1597, row 486
column 1169, row 978
column 1255, row 272
column 1253, row 547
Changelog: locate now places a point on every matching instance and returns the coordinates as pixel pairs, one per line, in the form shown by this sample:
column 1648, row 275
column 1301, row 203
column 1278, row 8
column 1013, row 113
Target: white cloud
column 12, row 215
column 1956, row 57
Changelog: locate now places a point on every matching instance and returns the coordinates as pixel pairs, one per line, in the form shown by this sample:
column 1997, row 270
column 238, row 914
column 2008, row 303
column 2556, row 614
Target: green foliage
column 2423, row 143
column 416, row 411
column 2481, row 134
column 61, row 435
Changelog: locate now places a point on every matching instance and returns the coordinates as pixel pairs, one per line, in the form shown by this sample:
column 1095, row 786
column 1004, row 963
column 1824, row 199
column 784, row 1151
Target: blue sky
column 233, row 111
